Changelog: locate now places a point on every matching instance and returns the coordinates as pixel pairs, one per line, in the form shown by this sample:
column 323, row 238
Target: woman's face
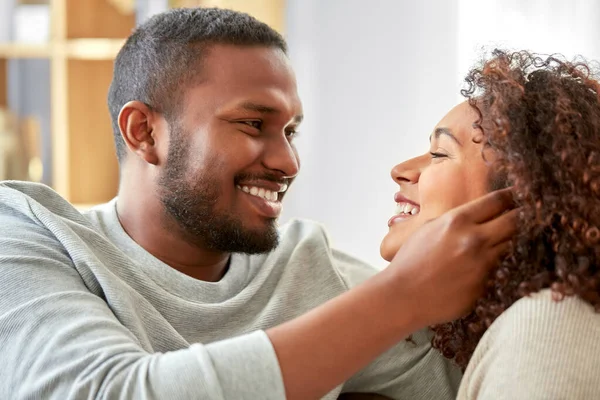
column 452, row 173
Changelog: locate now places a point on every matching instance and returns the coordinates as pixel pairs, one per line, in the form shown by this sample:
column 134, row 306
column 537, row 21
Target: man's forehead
column 267, row 98
column 246, row 64
column 245, row 77
column 252, row 75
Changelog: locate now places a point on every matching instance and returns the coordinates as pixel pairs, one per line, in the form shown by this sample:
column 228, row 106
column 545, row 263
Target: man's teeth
column 407, row 208
column 260, row 192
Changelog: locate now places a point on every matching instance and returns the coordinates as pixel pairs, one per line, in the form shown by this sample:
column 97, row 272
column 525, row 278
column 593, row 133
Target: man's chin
column 257, row 247
column 255, row 239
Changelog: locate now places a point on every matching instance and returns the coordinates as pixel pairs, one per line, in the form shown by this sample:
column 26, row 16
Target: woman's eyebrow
column 444, row 131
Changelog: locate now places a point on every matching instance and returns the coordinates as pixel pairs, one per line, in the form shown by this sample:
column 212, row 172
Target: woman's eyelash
column 437, row 155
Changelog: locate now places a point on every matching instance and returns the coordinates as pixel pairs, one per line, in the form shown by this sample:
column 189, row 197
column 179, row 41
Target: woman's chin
column 388, row 248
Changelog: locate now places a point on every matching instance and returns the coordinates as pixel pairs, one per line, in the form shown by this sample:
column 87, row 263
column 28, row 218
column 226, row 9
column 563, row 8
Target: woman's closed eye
column 437, row 155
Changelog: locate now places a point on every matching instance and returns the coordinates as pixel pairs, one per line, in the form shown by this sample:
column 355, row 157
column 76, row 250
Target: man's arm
column 61, row 341
column 411, row 369
column 436, row 276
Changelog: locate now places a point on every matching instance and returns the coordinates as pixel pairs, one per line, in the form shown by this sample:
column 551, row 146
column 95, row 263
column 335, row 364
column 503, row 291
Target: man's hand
column 435, row 277
column 445, row 263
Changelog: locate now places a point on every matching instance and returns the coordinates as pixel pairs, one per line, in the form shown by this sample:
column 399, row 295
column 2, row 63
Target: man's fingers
column 489, row 206
column 499, row 250
column 502, row 228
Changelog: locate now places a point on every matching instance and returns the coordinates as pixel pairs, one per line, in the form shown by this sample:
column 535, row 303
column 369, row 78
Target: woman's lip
column 399, row 198
column 398, row 218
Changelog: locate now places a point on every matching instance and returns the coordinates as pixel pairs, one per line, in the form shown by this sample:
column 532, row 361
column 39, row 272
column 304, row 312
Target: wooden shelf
column 93, row 49
column 77, row 49
column 21, row 50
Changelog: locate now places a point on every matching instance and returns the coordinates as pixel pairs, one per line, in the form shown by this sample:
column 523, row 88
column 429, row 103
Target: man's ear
column 137, row 123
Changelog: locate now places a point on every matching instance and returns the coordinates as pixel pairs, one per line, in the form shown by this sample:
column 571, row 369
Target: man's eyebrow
column 444, row 131
column 250, row 106
column 263, row 109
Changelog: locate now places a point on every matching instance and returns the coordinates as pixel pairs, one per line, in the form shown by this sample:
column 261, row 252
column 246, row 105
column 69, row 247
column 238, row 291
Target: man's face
column 231, row 154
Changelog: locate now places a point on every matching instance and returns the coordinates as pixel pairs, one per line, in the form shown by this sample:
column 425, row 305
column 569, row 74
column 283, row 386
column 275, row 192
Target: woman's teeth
column 259, row 192
column 407, row 209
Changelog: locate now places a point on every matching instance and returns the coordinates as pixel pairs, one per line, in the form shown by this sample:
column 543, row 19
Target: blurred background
column 375, row 77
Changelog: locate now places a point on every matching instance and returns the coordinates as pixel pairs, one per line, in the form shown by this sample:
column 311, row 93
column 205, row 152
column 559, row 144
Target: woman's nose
column 409, row 171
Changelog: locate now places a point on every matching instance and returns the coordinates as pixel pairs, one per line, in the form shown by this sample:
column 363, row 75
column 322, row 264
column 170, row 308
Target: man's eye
column 291, row 133
column 254, row 124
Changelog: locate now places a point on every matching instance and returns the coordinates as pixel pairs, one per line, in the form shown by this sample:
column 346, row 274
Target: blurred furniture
column 84, row 38
column 11, row 165
column 270, row 11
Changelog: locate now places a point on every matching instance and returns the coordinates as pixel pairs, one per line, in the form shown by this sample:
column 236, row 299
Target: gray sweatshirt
column 85, row 312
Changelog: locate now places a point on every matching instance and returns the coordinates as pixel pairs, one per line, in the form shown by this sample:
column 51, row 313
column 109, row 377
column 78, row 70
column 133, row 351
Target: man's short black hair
column 162, row 57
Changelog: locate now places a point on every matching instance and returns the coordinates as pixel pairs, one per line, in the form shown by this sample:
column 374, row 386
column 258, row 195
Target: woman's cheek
column 439, row 191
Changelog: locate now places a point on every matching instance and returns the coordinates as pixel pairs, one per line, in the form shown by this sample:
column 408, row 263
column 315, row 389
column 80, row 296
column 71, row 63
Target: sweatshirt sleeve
column 538, row 349
column 61, row 341
column 409, row 370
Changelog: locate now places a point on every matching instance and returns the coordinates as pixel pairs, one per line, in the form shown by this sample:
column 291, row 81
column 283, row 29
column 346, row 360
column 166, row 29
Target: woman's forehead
column 460, row 120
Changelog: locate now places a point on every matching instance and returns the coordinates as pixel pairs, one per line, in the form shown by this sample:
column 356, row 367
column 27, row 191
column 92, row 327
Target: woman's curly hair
column 541, row 117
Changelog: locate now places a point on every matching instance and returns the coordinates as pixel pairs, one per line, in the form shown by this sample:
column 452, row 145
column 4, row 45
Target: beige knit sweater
column 538, row 349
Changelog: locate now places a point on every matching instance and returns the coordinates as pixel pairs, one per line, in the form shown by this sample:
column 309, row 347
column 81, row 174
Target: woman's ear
column 136, row 123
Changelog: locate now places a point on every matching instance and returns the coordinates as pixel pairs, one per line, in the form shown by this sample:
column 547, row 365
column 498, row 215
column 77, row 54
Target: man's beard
column 192, row 202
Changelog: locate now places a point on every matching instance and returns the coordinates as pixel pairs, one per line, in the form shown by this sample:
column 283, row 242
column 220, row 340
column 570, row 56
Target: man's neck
column 147, row 224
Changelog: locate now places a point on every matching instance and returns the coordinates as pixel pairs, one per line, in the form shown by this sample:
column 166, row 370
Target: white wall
column 570, row 28
column 376, row 76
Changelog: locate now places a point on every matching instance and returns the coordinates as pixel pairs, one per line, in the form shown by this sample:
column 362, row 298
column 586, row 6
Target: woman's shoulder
column 541, row 320
column 544, row 311
column 538, row 347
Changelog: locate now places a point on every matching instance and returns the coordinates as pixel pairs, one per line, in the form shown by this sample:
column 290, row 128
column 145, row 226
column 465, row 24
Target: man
column 182, row 287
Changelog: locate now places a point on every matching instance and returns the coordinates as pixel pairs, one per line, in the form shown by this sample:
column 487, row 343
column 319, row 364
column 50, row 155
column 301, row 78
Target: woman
column 533, row 123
